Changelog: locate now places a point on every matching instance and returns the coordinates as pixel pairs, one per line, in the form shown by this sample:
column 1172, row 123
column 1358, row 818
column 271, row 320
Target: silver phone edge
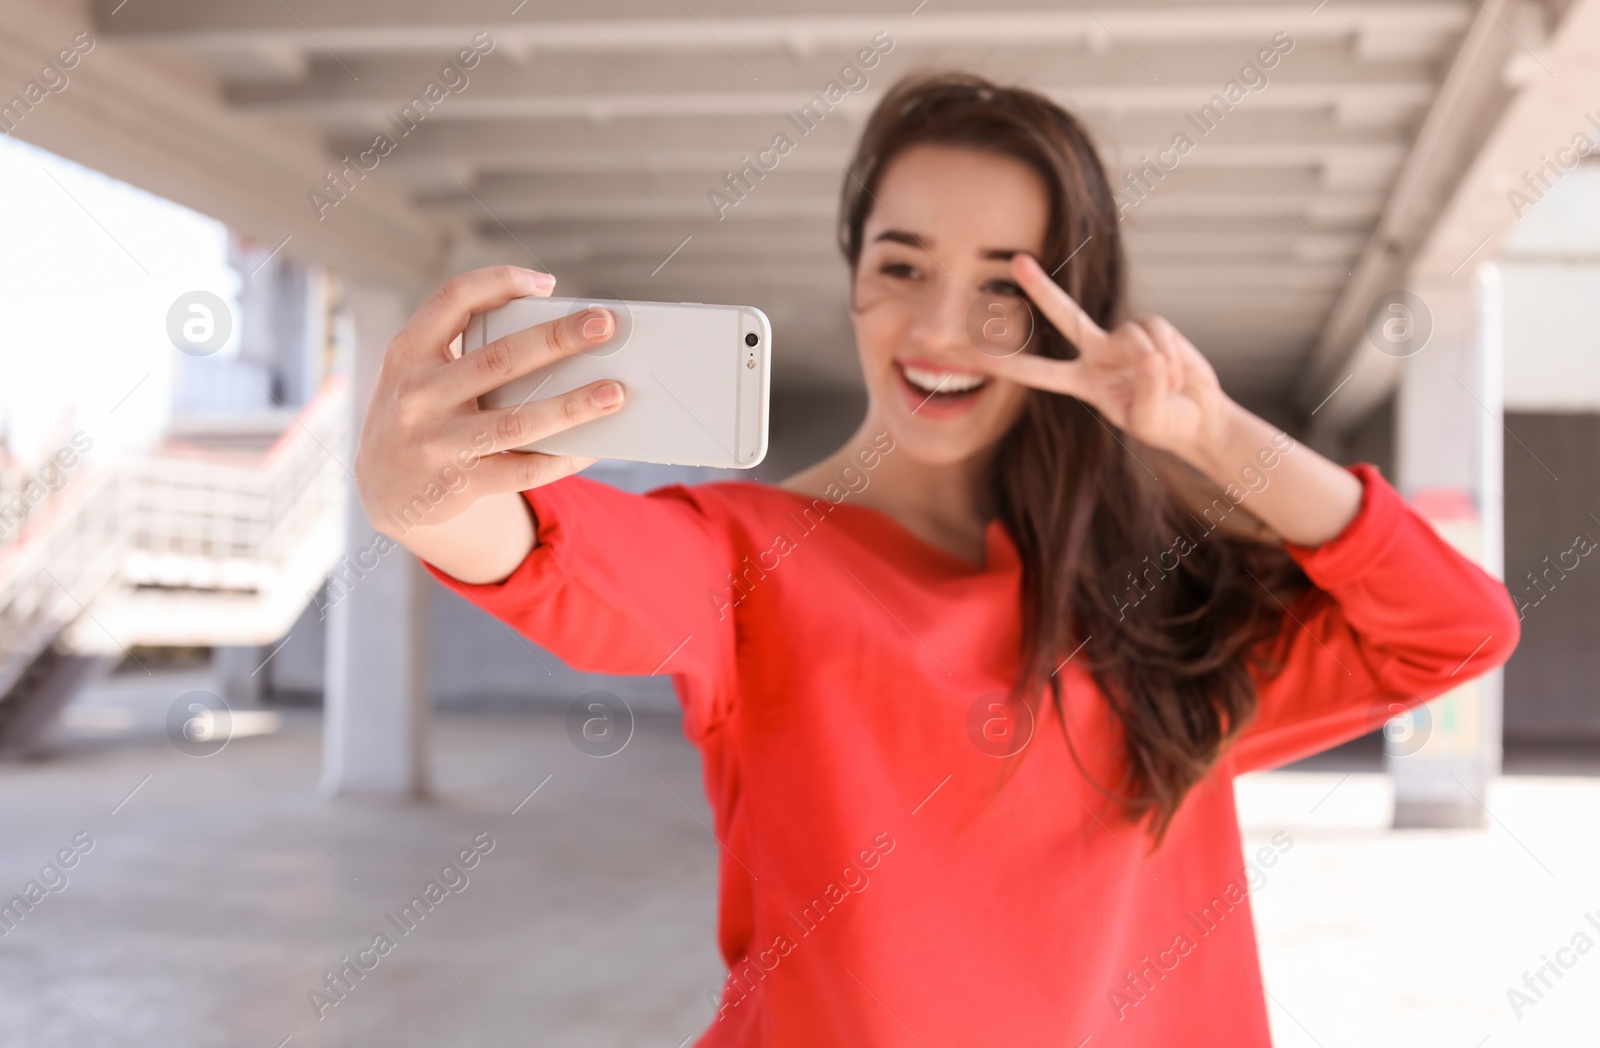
column 475, row 337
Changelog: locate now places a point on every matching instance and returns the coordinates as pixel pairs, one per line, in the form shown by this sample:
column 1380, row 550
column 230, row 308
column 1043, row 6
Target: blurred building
column 1378, row 221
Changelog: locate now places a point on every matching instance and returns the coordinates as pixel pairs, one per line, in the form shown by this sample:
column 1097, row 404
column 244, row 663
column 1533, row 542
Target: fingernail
column 543, row 281
column 606, row 394
column 598, row 326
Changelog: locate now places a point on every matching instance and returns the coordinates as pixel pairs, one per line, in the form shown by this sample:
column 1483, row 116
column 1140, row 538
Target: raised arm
column 1397, row 617
column 434, row 470
column 610, row 581
column 1149, row 381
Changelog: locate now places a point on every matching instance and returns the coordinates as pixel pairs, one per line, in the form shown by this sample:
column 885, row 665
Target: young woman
column 972, row 691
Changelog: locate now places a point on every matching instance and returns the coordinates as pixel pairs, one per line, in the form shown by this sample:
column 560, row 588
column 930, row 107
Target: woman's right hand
column 435, row 471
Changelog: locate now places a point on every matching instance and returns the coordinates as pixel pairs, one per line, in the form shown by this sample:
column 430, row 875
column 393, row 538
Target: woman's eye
column 898, row 269
column 1003, row 287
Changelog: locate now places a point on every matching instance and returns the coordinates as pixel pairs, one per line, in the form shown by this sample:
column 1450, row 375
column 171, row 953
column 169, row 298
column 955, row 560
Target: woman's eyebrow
column 902, row 236
column 910, row 239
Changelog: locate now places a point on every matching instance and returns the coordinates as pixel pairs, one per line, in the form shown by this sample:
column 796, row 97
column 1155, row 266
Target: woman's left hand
column 1151, row 382
column 1144, row 376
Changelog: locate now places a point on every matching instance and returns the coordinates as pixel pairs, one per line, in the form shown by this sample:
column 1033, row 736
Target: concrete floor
column 1376, row 937
column 224, row 888
column 220, row 890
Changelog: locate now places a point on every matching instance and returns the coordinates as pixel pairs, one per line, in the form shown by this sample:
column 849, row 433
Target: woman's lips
column 940, row 404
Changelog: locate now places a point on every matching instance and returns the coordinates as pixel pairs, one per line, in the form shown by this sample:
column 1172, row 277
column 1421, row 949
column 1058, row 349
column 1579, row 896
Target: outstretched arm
column 612, row 582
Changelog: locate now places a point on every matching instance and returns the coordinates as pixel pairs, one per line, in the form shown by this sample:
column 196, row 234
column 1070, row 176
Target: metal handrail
column 196, row 515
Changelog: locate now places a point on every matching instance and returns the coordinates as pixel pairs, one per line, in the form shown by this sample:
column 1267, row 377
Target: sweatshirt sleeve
column 619, row 583
column 1397, row 617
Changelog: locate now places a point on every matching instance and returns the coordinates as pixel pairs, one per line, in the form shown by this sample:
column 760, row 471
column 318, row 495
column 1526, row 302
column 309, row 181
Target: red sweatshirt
column 880, row 884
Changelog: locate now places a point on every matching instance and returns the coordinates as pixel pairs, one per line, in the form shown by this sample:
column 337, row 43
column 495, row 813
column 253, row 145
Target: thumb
column 1045, row 373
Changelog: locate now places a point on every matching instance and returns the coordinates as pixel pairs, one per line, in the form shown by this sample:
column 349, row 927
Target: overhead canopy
column 588, row 139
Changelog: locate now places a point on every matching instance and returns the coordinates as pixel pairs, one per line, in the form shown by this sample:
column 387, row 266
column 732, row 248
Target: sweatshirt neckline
column 1000, row 552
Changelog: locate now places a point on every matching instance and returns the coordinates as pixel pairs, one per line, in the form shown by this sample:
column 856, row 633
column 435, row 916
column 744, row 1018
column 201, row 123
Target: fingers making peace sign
column 1143, row 376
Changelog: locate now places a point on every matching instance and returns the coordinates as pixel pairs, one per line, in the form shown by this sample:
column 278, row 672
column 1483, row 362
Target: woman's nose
column 942, row 323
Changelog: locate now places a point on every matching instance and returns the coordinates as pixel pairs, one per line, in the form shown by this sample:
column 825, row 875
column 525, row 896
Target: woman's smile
column 939, row 390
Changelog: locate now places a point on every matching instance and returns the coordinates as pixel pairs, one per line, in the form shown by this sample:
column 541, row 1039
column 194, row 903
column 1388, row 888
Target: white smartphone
column 697, row 380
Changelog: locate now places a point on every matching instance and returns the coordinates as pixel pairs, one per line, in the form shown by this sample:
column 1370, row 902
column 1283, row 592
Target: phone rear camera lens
column 751, row 339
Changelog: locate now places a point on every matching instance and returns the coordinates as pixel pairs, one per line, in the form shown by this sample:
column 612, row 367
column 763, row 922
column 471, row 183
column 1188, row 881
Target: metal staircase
column 202, row 541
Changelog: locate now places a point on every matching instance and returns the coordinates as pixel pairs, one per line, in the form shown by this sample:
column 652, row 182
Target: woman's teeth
column 943, row 382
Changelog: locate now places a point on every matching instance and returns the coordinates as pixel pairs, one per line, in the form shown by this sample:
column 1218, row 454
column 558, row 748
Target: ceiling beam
column 359, row 87
column 495, row 207
column 1543, row 119
column 548, row 26
column 432, row 156
column 1374, row 101
column 384, row 75
column 626, row 241
column 1452, row 131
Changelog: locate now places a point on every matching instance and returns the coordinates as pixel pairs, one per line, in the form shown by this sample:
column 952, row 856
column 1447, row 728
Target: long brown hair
column 1090, row 518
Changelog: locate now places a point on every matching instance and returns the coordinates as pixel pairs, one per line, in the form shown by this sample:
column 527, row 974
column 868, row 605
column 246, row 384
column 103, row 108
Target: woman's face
column 933, row 293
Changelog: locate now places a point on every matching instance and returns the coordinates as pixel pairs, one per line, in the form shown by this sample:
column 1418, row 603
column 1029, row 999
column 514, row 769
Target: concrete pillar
column 376, row 699
column 240, row 676
column 1449, row 449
